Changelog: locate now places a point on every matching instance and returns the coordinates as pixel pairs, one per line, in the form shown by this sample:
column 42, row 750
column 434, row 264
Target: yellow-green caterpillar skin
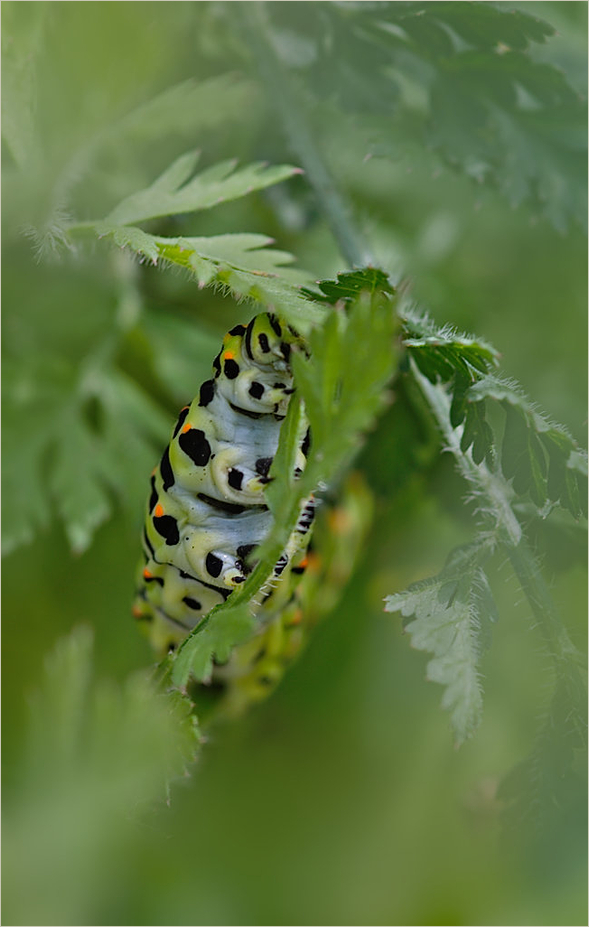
column 207, row 511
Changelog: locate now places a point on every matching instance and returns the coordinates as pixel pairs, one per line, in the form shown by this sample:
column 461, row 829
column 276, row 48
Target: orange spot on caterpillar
column 153, row 472
column 304, row 563
column 147, row 574
column 297, row 617
column 186, row 428
column 159, row 511
column 137, row 611
column 229, row 355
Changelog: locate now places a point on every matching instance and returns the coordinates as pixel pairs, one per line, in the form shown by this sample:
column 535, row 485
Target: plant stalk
column 289, row 108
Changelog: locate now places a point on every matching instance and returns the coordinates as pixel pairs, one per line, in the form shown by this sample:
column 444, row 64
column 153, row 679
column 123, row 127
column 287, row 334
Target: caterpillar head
column 267, row 341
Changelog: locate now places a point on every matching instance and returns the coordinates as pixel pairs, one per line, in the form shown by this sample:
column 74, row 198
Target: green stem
column 532, row 582
column 289, row 109
column 498, row 495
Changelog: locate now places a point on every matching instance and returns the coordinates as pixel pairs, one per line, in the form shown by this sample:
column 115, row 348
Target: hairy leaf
column 447, row 612
column 239, row 263
column 540, row 457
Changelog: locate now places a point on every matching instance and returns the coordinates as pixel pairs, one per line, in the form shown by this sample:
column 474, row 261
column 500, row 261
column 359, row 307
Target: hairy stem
column 496, row 494
column 289, row 108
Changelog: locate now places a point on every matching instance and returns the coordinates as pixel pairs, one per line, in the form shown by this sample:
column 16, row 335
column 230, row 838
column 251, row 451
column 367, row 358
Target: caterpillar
column 206, row 511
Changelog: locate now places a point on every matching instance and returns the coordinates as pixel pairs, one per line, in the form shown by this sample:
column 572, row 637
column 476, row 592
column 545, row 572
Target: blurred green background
column 342, row 799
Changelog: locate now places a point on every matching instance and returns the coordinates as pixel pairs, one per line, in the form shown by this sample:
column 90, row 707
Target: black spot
column 214, row 565
column 275, row 324
column 180, row 422
column 154, row 579
column 242, row 552
column 263, row 465
column 207, row 391
column 235, row 478
column 297, row 472
column 279, row 386
column 195, row 444
column 171, row 647
column 192, row 603
column 221, row 505
column 285, row 348
column 224, row 592
column 217, row 364
column 247, row 412
column 237, row 330
column 263, row 340
column 298, row 569
column 153, row 497
column 256, row 390
column 306, row 443
column 167, row 526
column 239, row 579
column 166, row 470
column 231, row 369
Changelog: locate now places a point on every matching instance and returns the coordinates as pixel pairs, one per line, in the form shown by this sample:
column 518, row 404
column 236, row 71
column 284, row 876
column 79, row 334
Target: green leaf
column 349, row 285
column 22, row 30
column 239, row 263
column 447, row 612
column 445, row 354
column 224, row 628
column 97, row 755
column 81, row 500
column 539, row 456
column 174, row 192
column 459, row 79
column 342, row 381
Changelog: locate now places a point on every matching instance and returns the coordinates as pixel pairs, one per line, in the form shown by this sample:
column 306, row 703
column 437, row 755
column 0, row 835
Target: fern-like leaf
column 446, row 616
column 177, row 191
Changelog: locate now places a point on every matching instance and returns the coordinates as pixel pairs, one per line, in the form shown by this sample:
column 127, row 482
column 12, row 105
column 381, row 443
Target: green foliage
column 174, row 192
column 96, row 753
column 447, row 611
column 538, row 456
column 105, row 335
column 427, row 74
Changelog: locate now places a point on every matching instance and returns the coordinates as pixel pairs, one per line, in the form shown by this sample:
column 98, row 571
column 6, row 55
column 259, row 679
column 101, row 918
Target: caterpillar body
column 207, row 510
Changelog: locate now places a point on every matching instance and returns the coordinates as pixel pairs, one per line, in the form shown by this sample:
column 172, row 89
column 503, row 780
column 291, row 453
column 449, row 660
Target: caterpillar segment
column 316, row 584
column 206, row 510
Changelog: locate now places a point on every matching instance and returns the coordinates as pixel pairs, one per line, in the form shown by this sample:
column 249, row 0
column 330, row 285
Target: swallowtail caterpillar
column 207, row 512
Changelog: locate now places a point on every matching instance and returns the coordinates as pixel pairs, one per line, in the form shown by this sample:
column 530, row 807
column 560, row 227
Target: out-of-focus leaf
column 174, row 192
column 447, row 612
column 96, row 754
column 457, row 78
